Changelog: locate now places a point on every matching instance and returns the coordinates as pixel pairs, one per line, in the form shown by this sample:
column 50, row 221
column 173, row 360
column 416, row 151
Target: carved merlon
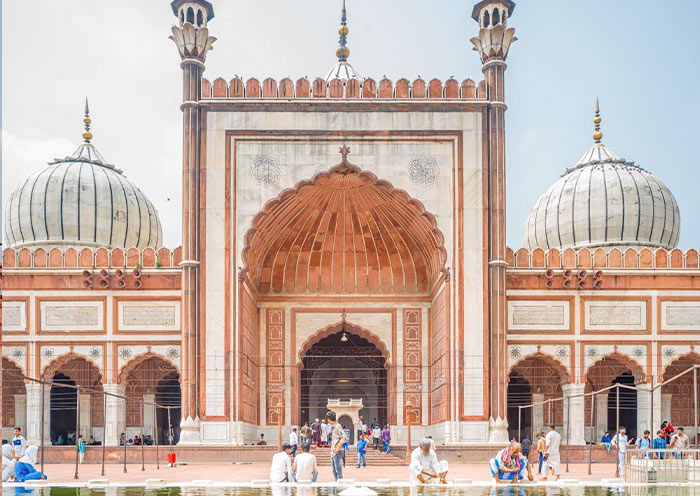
column 192, row 42
column 494, row 42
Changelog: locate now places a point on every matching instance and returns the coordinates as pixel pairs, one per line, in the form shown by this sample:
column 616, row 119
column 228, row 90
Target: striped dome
column 604, row 201
column 82, row 201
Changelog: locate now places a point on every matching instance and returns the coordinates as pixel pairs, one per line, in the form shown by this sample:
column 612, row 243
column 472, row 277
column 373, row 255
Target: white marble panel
column 615, row 315
column 148, row 315
column 14, row 316
column 72, row 316
column 680, row 315
column 538, row 315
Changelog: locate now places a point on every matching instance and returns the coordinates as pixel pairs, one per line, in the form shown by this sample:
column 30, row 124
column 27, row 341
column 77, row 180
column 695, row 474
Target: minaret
column 191, row 36
column 493, row 42
column 342, row 69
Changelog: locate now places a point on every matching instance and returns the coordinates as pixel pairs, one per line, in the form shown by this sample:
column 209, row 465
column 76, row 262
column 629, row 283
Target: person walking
column 362, row 451
column 281, row 467
column 81, row 448
column 294, row 441
column 552, row 456
column 306, row 434
column 338, row 438
column 325, row 432
column 316, row 432
column 305, row 467
column 620, row 441
column 526, row 443
column 386, row 437
column 541, row 449
column 376, row 435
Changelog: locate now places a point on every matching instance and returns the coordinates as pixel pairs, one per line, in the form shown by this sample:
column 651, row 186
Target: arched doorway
column 535, row 379
column 347, row 424
column 677, row 397
column 152, row 379
column 608, row 371
column 343, row 365
column 67, row 372
column 13, row 414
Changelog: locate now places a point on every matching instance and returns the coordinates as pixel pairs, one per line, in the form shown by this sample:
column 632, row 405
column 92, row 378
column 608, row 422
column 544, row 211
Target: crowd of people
column 512, row 463
column 290, row 466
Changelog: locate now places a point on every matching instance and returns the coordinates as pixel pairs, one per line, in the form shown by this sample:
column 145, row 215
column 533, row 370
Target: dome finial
column 87, row 135
column 598, row 135
column 343, row 52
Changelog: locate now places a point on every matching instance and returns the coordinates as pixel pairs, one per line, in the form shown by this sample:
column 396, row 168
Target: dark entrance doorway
column 628, row 405
column 63, row 409
column 168, row 394
column 519, row 394
column 344, row 366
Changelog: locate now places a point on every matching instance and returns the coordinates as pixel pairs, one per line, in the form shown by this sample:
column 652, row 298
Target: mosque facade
column 343, row 238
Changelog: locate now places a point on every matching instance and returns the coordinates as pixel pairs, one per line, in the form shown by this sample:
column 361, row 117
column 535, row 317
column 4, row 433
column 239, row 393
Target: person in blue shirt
column 659, row 444
column 644, row 443
column 605, row 440
column 24, row 470
column 362, row 451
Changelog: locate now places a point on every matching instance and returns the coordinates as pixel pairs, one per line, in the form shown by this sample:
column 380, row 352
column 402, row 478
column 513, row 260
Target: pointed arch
column 680, row 364
column 136, row 362
column 561, row 371
column 331, row 329
column 617, row 362
column 50, row 370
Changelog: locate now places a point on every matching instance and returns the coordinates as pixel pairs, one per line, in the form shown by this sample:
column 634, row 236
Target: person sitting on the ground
column 424, row 467
column 510, row 465
column 281, row 467
column 261, row 440
column 8, row 463
column 305, row 467
column 24, row 470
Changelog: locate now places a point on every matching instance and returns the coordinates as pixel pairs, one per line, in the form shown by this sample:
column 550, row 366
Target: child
column 541, row 448
column 362, row 451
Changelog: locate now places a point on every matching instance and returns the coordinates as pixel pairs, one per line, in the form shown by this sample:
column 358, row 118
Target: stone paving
column 227, row 472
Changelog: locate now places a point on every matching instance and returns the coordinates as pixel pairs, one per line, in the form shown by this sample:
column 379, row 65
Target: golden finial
column 343, row 52
column 87, row 135
column 598, row 135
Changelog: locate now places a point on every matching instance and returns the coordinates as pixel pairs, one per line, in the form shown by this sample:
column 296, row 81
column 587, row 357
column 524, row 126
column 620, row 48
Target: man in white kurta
column 425, row 467
column 553, row 441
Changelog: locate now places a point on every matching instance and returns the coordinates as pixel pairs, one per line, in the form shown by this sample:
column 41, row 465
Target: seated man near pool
column 425, row 467
column 510, row 465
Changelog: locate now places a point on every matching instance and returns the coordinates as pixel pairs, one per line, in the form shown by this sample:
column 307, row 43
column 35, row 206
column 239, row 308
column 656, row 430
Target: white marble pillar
column 115, row 418
column 85, row 404
column 574, row 421
column 537, row 413
column 601, row 416
column 644, row 412
column 33, row 415
column 666, row 399
column 21, row 411
column 148, row 427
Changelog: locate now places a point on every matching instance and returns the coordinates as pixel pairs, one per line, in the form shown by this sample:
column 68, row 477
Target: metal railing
column 662, row 465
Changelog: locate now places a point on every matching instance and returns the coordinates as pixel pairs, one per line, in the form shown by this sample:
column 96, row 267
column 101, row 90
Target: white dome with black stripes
column 610, row 204
column 604, row 201
column 82, row 201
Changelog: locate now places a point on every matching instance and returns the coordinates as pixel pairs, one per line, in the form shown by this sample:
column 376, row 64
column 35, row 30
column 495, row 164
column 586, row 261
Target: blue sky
column 637, row 56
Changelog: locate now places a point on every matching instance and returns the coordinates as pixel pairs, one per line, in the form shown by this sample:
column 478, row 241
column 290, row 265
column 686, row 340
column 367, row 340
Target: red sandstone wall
column 439, row 359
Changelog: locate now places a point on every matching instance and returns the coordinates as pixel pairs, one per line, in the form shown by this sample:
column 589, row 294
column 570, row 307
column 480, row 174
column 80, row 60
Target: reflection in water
column 502, row 490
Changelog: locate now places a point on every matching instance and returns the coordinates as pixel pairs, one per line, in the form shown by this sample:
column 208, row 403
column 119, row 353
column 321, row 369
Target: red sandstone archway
column 76, row 370
column 344, row 231
column 150, row 374
column 535, row 374
column 12, row 384
column 681, row 390
column 607, row 371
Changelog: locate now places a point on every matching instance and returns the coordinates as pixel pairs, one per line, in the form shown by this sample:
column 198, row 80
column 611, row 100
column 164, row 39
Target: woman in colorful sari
column 24, row 470
column 510, row 465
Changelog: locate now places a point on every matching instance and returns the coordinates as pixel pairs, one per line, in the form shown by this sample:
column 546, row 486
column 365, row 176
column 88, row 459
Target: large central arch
column 344, row 231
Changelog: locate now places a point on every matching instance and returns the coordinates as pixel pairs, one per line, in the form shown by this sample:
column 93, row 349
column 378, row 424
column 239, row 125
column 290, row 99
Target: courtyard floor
column 227, row 472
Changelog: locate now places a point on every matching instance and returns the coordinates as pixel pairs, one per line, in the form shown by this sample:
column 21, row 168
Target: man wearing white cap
column 424, row 467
